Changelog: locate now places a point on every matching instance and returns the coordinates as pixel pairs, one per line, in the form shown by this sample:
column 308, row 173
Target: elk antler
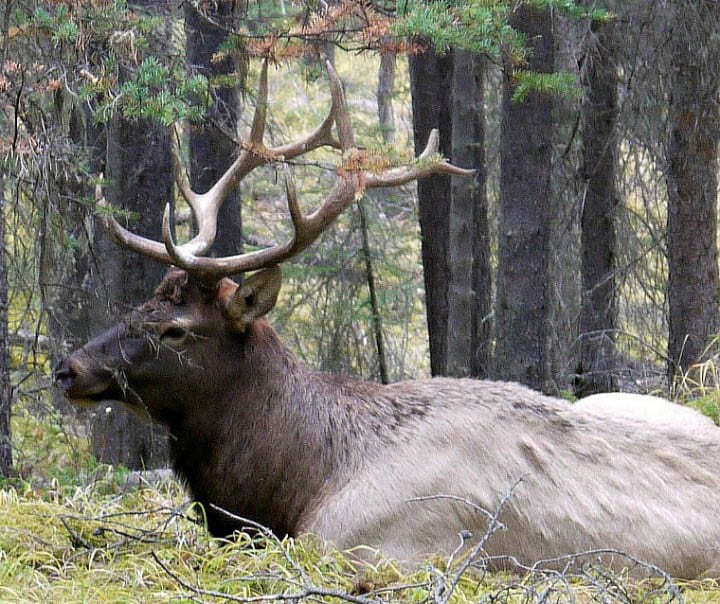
column 347, row 186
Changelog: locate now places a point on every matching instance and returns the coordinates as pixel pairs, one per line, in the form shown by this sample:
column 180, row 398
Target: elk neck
column 286, row 432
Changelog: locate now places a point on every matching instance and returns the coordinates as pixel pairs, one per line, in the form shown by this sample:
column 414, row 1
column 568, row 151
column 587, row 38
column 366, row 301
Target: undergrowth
column 111, row 543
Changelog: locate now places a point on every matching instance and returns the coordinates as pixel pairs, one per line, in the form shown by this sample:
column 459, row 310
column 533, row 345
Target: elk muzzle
column 82, row 381
column 94, row 372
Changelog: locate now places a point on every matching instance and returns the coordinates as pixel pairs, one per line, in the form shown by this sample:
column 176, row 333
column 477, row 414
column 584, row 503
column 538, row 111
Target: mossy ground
column 110, row 543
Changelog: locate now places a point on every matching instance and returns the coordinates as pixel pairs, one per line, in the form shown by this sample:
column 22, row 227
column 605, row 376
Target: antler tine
column 125, row 238
column 423, row 166
column 205, row 206
column 257, row 131
column 342, row 117
column 322, row 136
column 306, row 229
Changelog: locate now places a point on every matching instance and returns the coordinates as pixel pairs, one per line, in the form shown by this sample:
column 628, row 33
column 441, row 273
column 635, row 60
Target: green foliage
column 709, row 405
column 122, row 67
column 477, row 26
column 157, row 93
column 484, row 27
column 544, row 83
column 481, row 26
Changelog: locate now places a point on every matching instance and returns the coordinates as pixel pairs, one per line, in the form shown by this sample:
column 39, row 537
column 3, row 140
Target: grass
column 105, row 543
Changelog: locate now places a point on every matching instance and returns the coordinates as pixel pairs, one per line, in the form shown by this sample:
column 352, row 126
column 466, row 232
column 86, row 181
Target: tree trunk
column 63, row 268
column 212, row 148
column 598, row 313
column 692, row 180
column 6, row 462
column 386, row 87
column 430, row 82
column 139, row 179
column 468, row 288
column 523, row 290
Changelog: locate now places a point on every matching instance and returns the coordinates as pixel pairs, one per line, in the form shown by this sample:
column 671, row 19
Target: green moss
column 144, row 546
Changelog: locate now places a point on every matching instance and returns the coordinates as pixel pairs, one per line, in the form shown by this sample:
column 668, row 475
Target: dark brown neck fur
column 280, row 435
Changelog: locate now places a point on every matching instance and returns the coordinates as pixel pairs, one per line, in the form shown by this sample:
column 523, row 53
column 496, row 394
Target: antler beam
column 348, row 185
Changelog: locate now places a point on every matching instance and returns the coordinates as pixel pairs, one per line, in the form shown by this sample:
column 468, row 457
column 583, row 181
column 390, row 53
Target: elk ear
column 255, row 297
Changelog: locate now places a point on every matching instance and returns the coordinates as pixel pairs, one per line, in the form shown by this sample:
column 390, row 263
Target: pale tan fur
column 587, row 480
column 642, row 406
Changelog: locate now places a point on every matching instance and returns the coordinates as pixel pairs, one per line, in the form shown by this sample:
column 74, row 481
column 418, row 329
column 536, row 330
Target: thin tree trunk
column 386, row 87
column 692, row 180
column 430, row 81
column 386, row 119
column 523, row 289
column 6, row 461
column 468, row 290
column 598, row 313
column 374, row 303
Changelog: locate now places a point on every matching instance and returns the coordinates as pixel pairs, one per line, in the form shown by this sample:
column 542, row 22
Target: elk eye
column 173, row 333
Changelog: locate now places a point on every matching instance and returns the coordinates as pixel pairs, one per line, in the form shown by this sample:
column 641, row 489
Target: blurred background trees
column 581, row 258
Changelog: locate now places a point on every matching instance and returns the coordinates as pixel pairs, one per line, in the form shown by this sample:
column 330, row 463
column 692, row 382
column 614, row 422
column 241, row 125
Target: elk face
column 172, row 349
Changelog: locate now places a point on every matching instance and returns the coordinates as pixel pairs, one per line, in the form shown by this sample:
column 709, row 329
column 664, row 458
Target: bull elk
column 257, row 433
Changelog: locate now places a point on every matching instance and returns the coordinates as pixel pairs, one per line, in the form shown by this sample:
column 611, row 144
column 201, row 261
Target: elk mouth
column 85, row 389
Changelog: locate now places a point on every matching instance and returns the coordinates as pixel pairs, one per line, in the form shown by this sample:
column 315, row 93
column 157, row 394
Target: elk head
column 152, row 359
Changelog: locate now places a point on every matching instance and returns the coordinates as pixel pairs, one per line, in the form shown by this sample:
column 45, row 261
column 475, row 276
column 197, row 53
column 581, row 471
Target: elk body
column 256, row 433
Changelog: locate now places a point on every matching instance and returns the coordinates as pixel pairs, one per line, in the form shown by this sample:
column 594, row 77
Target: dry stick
column 75, row 538
column 307, row 585
column 493, row 526
column 309, row 590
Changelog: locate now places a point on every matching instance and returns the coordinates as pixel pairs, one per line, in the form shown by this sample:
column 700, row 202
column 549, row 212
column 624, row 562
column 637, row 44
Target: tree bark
column 6, row 460
column 211, row 144
column 692, row 180
column 469, row 280
column 430, row 81
column 139, row 179
column 523, row 289
column 385, row 89
column 598, row 314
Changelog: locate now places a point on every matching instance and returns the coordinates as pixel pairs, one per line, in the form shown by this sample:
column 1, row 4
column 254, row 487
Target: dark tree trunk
column 598, row 313
column 212, row 148
column 65, row 269
column 523, row 290
column 692, row 180
column 139, row 177
column 431, row 80
column 468, row 288
column 6, row 462
column 140, row 180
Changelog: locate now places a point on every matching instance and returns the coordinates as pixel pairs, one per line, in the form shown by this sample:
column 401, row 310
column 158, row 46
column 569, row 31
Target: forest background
column 581, row 258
